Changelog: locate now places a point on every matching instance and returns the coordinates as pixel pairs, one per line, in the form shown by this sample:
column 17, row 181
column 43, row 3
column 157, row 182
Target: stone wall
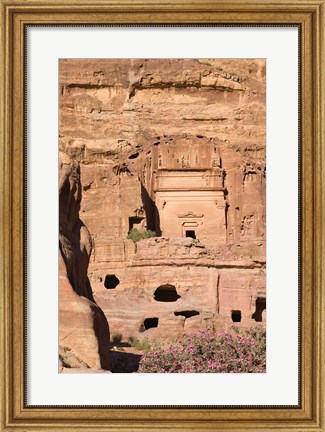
column 179, row 283
column 196, row 128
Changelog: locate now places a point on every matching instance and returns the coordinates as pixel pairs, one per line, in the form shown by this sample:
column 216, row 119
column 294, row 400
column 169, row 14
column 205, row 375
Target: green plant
column 201, row 61
column 141, row 345
column 137, row 235
column 131, row 340
column 117, row 337
column 205, row 63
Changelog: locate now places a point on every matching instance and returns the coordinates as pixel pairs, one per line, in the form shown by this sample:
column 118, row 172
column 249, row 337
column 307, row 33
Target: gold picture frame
column 15, row 16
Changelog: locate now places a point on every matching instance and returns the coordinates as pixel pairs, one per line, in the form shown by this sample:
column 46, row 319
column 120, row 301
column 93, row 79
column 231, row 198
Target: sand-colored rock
column 180, row 283
column 177, row 147
column 83, row 328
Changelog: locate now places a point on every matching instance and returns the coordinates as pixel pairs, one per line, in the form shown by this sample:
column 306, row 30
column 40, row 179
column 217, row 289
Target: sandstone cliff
column 150, row 135
column 83, row 328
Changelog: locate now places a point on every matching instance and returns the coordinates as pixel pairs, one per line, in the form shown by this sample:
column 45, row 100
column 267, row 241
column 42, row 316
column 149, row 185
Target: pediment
column 190, row 215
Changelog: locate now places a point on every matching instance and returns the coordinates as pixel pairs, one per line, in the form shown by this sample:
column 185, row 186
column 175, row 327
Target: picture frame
column 15, row 414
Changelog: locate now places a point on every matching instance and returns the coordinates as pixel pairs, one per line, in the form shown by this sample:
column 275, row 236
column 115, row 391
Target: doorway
column 190, row 233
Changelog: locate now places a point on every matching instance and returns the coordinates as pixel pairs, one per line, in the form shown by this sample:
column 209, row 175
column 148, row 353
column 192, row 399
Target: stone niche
column 190, row 197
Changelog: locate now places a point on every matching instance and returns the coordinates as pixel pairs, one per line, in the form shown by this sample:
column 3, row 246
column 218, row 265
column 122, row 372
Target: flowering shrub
column 231, row 351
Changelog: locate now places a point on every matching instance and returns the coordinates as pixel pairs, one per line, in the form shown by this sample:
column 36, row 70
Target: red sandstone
column 177, row 147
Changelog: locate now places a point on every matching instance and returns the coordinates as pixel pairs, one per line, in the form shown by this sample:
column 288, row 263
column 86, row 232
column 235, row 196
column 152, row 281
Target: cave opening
column 236, row 315
column 134, row 155
column 111, row 281
column 187, row 313
column 190, row 233
column 150, row 323
column 135, row 222
column 260, row 307
column 166, row 293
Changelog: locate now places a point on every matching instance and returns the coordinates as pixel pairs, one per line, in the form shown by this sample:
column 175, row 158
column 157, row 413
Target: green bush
column 137, row 235
column 117, row 337
column 143, row 345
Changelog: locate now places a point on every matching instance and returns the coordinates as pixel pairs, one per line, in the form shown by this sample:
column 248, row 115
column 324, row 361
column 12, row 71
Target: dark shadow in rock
column 187, row 313
column 111, row 281
column 119, row 344
column 260, row 307
column 152, row 214
column 124, row 362
column 166, row 293
column 101, row 329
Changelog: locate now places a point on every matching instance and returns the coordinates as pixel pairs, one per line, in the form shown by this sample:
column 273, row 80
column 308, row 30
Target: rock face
column 176, row 147
column 165, row 287
column 83, row 328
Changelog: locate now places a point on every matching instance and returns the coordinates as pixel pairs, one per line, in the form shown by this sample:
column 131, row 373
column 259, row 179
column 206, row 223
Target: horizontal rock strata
column 177, row 147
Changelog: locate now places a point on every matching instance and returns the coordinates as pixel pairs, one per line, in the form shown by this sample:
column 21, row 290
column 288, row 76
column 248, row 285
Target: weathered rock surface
column 178, row 147
column 178, row 286
column 83, row 328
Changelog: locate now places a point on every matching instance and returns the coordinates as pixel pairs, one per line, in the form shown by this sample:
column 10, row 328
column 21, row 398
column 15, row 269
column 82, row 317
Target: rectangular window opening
column 190, row 233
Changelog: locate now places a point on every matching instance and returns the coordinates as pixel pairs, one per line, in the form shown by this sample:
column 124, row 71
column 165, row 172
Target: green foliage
column 137, row 235
column 201, row 61
column 131, row 340
column 141, row 345
column 230, row 351
column 205, row 63
column 117, row 337
column 232, row 73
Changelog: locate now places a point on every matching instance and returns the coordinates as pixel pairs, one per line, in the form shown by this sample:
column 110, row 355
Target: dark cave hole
column 190, row 233
column 87, row 187
column 236, row 315
column 166, row 293
column 187, row 313
column 150, row 323
column 260, row 307
column 111, row 281
column 134, row 156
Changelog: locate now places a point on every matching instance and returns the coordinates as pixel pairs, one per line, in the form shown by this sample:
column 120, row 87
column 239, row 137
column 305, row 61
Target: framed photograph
column 174, row 154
